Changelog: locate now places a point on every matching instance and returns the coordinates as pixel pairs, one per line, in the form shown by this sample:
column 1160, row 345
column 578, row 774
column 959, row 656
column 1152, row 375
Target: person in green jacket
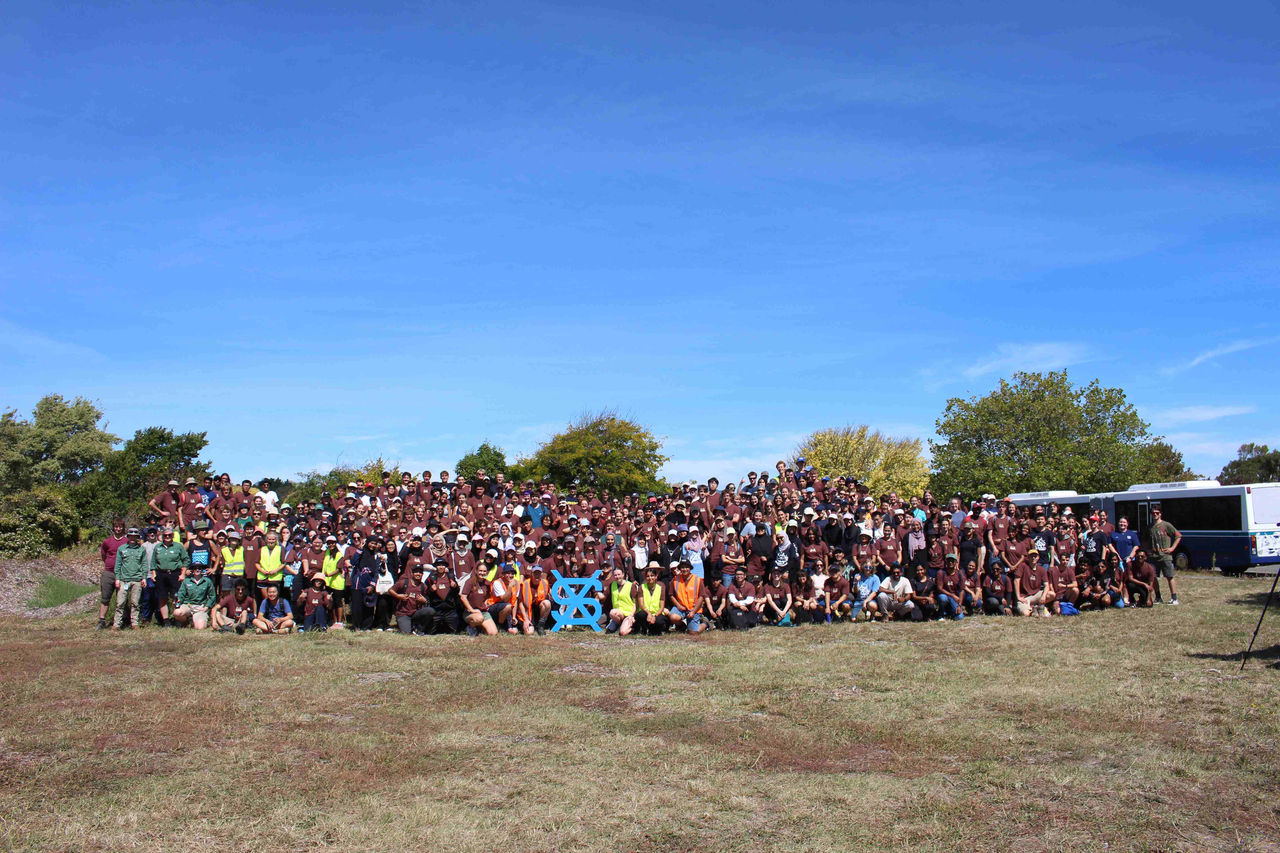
column 132, row 567
column 168, row 560
column 195, row 598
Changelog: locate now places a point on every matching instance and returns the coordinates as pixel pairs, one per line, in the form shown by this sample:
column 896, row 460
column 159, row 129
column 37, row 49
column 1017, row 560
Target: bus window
column 1220, row 512
column 1129, row 510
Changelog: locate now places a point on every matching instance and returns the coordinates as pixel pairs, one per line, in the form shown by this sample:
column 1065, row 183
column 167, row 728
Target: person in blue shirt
column 275, row 616
column 1123, row 541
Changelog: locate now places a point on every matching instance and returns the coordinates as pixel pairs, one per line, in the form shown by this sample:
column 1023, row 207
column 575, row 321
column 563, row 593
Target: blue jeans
column 317, row 621
column 949, row 606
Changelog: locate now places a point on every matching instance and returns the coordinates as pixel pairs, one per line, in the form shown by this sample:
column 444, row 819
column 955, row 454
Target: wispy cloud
column 1202, row 445
column 1225, row 349
column 1198, row 414
column 1051, row 355
column 26, row 341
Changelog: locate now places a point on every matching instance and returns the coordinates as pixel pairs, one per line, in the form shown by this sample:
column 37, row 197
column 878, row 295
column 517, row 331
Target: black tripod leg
column 1245, row 656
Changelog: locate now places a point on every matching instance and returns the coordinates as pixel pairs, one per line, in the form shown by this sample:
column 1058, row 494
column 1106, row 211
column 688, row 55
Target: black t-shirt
column 1044, row 540
column 1094, row 546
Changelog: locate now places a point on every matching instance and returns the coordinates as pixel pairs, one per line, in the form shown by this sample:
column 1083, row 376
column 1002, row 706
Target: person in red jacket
column 107, row 582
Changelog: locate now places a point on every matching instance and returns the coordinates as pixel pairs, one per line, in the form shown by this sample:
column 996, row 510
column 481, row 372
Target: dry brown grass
column 1129, row 730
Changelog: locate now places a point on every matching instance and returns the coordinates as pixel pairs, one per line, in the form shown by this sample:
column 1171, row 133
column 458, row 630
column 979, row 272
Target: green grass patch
column 54, row 591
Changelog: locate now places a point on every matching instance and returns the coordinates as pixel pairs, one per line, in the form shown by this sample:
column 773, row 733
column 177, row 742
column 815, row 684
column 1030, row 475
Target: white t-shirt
column 901, row 589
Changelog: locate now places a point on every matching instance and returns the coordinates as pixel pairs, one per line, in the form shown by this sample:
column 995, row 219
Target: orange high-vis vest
column 689, row 593
column 531, row 594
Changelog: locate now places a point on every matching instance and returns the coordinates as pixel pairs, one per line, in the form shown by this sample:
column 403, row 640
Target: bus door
column 1144, row 519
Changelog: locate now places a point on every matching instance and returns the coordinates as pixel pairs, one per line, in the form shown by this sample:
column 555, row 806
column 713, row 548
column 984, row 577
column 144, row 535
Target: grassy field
column 1131, row 731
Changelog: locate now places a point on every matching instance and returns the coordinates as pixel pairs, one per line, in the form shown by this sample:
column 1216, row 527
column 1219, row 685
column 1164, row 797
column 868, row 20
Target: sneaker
column 102, row 624
column 1175, row 600
column 240, row 628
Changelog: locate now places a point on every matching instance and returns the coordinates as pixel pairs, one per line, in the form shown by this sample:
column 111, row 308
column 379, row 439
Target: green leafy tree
column 1039, row 432
column 1254, row 463
column 37, row 521
column 601, row 451
column 492, row 460
column 59, row 446
column 138, row 471
column 885, row 464
column 1161, row 462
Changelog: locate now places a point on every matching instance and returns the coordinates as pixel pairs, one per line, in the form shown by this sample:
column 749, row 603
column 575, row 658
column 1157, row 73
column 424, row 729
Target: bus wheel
column 1182, row 562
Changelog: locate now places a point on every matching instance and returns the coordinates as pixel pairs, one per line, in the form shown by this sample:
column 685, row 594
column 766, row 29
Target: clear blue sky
column 323, row 232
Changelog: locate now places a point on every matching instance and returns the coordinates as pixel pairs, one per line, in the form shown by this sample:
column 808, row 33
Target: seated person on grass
column 195, row 597
column 652, row 617
column 314, row 604
column 688, row 598
column 275, row 616
column 776, row 594
column 893, row 601
column 235, row 611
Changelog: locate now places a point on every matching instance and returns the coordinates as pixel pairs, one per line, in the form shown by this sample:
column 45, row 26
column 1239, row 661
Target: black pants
column 743, row 619
column 992, row 606
column 442, row 618
column 362, row 614
column 416, row 622
column 1139, row 595
column 657, row 629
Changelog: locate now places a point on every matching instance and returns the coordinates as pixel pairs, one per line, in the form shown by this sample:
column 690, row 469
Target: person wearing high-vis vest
column 622, row 604
column 652, row 616
column 271, row 564
column 232, row 561
column 331, row 568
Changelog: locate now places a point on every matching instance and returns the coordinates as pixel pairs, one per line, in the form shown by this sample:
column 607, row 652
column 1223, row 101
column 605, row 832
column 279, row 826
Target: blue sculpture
column 576, row 597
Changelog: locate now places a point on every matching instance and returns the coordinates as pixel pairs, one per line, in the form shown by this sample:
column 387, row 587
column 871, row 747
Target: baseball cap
column 132, row 531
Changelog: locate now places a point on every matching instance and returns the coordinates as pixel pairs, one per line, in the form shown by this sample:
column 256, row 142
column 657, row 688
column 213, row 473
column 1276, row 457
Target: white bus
column 1231, row 527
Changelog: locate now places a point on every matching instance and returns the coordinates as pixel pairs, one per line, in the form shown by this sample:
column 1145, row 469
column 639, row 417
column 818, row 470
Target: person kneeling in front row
column 195, row 598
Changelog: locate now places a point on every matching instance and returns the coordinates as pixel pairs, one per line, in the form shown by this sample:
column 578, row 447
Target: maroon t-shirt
column 168, row 502
column 407, row 606
column 234, row 608
column 890, row 550
column 837, row 587
column 1031, row 579
column 192, row 507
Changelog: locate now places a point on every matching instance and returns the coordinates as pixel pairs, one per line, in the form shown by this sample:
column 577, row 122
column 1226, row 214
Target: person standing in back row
column 107, row 582
column 1165, row 540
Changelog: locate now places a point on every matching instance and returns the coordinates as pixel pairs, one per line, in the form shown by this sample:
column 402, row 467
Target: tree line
column 63, row 476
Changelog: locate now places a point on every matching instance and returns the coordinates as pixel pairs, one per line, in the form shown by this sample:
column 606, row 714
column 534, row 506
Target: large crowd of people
column 431, row 555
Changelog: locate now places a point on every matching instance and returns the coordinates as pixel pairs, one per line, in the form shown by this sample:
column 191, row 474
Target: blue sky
column 322, row 232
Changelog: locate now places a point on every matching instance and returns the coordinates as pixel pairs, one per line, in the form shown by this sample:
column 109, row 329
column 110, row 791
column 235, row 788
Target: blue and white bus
column 1231, row 527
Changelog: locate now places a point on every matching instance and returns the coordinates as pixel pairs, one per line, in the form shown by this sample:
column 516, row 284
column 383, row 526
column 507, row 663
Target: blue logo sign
column 575, row 596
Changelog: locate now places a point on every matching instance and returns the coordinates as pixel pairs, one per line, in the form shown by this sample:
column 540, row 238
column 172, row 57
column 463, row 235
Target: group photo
column 660, row 427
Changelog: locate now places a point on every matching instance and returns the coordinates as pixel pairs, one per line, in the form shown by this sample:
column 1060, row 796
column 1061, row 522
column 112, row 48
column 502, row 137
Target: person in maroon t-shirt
column 107, row 581
column 165, row 504
column 236, row 609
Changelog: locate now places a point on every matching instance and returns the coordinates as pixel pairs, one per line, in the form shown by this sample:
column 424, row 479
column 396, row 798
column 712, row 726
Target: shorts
column 166, row 584
column 107, row 586
column 1164, row 566
column 339, row 596
column 196, row 609
column 495, row 610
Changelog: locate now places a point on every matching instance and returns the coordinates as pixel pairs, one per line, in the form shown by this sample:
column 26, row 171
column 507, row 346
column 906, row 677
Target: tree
column 1161, row 462
column 601, row 451
column 1040, row 432
column 1254, row 463
column 59, row 446
column 132, row 475
column 885, row 464
column 487, row 457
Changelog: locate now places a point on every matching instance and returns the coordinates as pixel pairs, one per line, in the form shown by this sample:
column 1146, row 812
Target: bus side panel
column 1230, row 550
